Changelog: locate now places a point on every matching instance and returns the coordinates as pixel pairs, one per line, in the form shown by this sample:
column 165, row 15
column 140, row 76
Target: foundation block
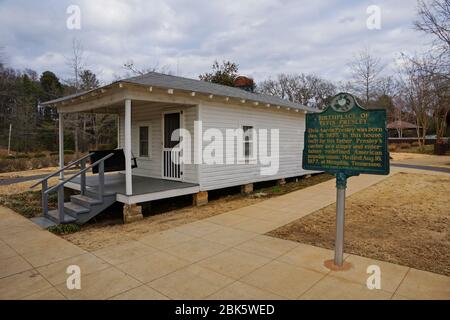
column 200, row 198
column 247, row 188
column 132, row 213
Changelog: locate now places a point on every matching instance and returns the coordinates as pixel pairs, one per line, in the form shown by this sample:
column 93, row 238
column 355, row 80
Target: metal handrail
column 70, row 164
column 78, row 173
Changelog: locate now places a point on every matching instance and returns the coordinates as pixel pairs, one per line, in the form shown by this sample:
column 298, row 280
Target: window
column 144, row 141
column 248, row 142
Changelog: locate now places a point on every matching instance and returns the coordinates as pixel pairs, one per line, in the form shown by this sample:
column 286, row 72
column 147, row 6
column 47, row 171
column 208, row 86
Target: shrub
column 64, row 228
column 39, row 155
column 22, row 156
column 405, row 145
column 415, row 144
column 9, row 165
column 69, row 152
column 20, row 164
column 54, row 153
column 393, row 147
column 276, row 189
column 106, row 146
column 38, row 163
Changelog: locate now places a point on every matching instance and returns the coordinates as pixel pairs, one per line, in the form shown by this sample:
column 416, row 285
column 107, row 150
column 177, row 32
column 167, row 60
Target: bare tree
column 2, row 58
column 434, row 19
column 308, row 89
column 133, row 70
column 76, row 63
column 365, row 70
column 417, row 92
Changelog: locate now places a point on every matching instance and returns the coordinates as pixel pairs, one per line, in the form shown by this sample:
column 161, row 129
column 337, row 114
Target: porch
column 148, row 138
column 145, row 132
column 144, row 188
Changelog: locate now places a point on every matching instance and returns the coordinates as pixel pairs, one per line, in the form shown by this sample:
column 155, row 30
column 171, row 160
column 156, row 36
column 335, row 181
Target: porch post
column 127, row 148
column 61, row 143
column 118, row 131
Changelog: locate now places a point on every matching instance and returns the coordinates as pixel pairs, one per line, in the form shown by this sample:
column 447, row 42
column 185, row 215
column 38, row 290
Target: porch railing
column 171, row 163
column 60, row 186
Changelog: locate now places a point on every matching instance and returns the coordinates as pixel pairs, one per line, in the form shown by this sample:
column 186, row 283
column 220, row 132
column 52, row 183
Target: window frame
column 139, row 125
column 251, row 157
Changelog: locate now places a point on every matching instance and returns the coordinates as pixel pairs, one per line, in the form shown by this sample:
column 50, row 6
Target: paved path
column 8, row 181
column 413, row 166
column 222, row 257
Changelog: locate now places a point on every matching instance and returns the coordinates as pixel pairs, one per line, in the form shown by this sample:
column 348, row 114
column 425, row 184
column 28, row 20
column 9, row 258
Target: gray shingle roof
column 180, row 83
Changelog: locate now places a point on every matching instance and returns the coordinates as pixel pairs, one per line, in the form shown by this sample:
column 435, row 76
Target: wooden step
column 54, row 216
column 93, row 192
column 74, row 209
column 85, row 201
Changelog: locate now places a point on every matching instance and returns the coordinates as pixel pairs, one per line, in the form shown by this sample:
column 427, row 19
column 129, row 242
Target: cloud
column 264, row 37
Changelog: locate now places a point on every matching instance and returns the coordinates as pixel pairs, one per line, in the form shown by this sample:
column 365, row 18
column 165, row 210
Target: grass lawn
column 404, row 219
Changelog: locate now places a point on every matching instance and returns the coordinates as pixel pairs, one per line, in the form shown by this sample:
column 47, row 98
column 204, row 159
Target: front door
column 171, row 146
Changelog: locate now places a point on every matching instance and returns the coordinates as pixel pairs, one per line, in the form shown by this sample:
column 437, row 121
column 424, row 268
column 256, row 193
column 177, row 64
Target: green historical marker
column 345, row 140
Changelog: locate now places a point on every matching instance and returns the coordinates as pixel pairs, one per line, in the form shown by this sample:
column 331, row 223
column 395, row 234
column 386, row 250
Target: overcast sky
column 264, row 37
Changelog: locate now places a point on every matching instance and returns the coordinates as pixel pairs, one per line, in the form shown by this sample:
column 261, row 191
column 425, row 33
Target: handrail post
column 61, row 204
column 101, row 179
column 44, row 197
column 83, row 177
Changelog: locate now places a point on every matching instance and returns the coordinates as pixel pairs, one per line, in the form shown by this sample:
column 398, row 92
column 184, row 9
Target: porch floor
column 115, row 183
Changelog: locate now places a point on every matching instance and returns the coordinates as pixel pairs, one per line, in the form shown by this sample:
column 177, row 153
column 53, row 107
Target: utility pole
column 9, row 139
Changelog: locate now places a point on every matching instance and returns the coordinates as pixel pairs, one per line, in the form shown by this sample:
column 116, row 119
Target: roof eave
column 63, row 100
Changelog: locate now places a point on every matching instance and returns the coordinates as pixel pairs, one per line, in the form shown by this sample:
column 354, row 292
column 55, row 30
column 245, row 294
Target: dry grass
column 21, row 187
column 404, row 219
column 32, row 161
column 27, row 173
column 27, row 203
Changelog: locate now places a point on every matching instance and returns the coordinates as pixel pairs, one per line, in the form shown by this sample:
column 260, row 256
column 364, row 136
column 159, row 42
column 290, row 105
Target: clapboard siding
column 153, row 116
column 190, row 115
column 291, row 127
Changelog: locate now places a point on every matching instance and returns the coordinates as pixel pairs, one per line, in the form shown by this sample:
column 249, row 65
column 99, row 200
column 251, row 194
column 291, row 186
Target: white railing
column 171, row 163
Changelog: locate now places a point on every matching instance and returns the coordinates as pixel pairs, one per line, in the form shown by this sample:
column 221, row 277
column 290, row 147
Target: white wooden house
column 149, row 109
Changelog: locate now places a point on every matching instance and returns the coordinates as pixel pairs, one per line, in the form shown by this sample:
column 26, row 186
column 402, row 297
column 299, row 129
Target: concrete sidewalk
column 223, row 257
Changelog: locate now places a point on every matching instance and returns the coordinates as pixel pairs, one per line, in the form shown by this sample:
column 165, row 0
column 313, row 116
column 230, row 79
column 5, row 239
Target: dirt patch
column 108, row 232
column 404, row 219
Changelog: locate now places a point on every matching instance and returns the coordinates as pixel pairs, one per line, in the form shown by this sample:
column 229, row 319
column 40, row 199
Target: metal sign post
column 345, row 140
column 341, row 185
